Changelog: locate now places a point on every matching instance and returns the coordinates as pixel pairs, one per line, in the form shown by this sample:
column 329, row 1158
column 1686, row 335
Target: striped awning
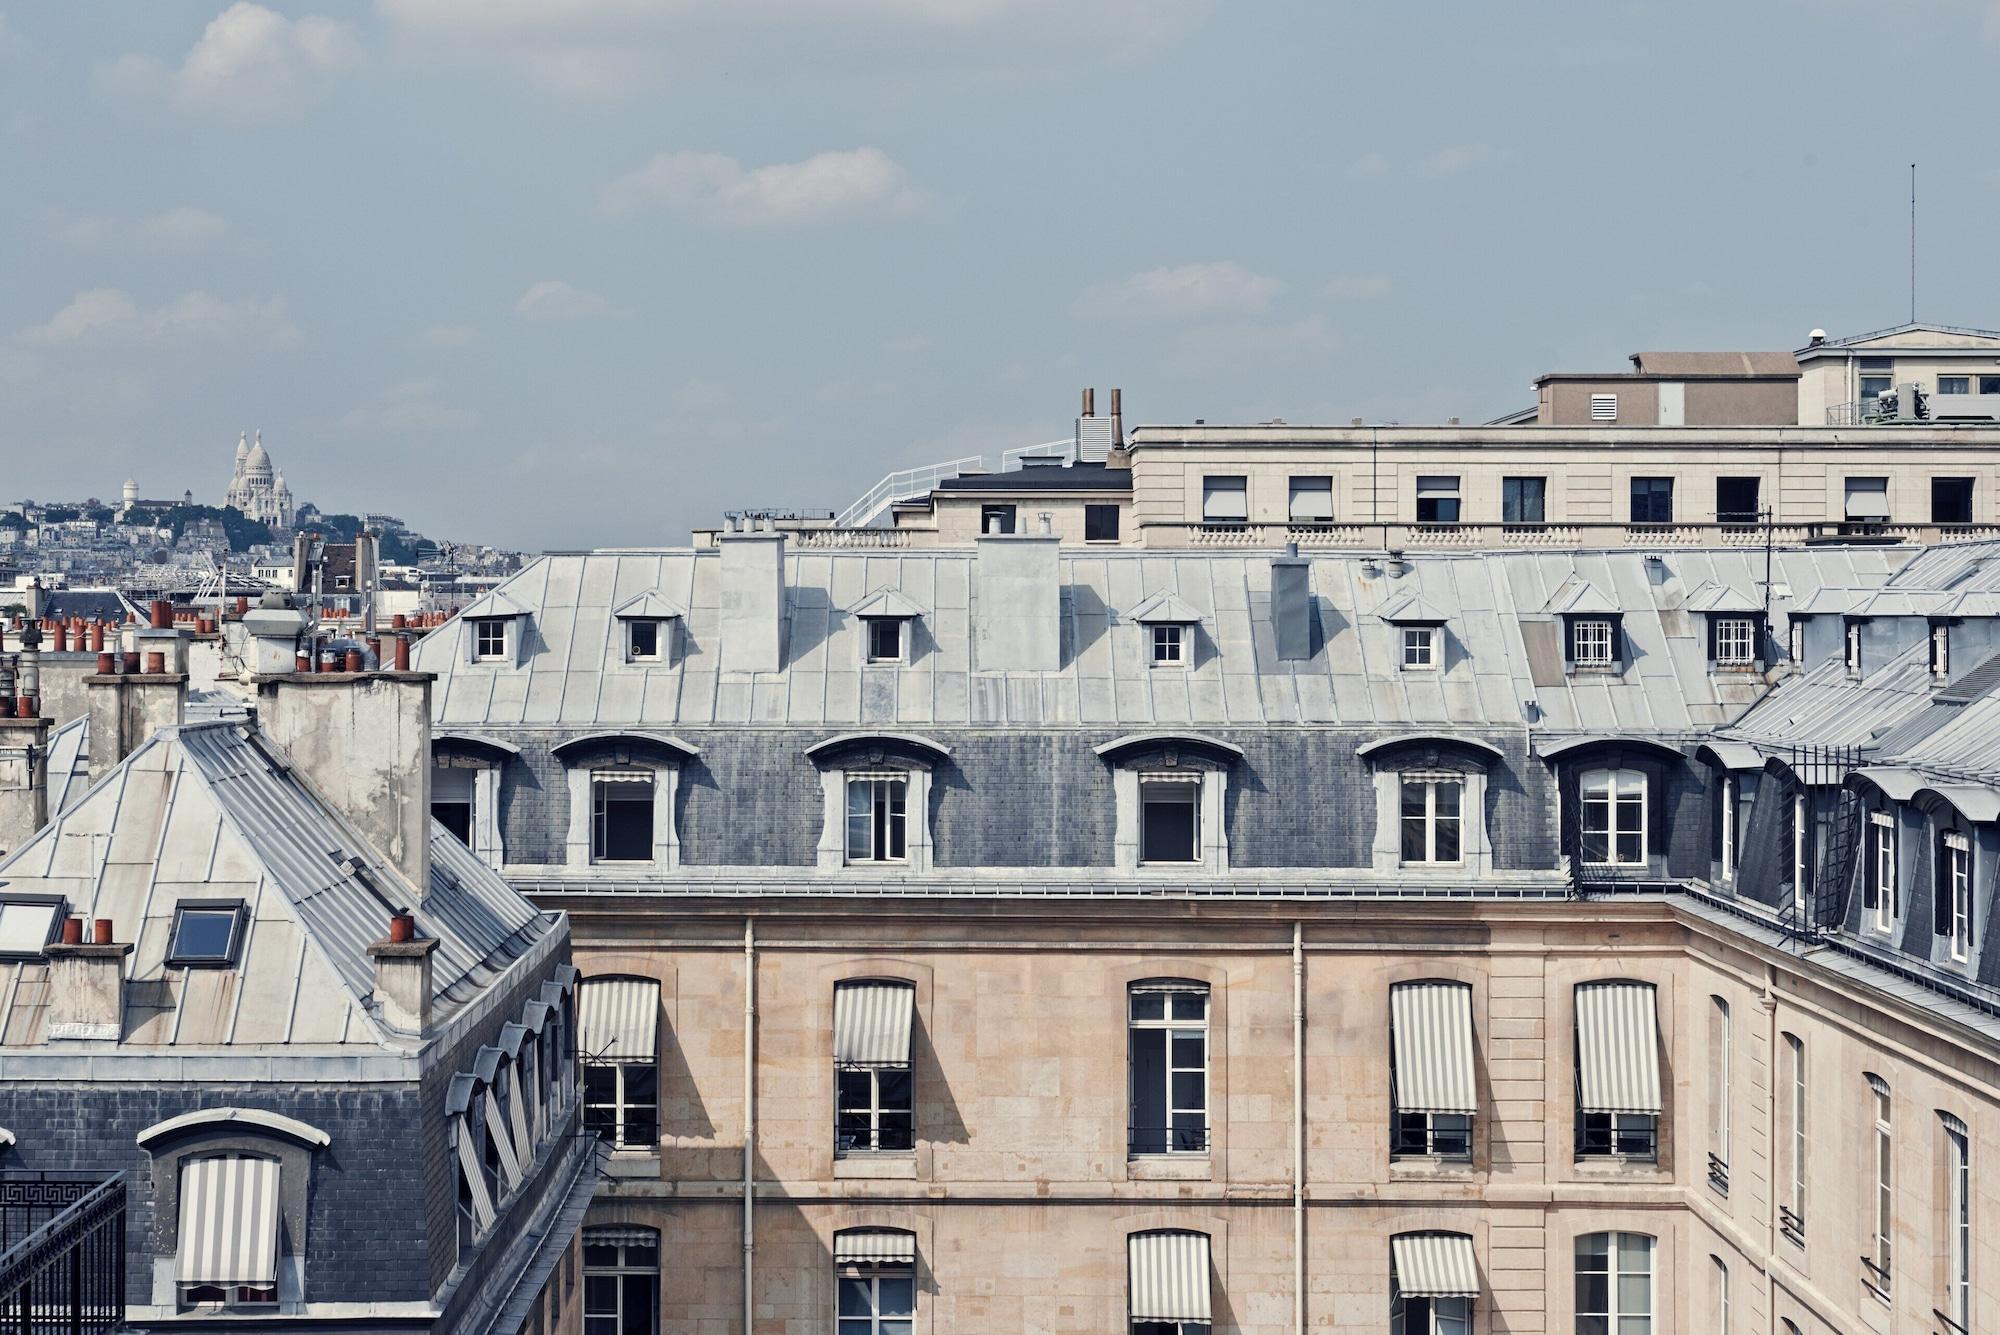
column 1169, row 1276
column 874, row 1246
column 229, row 1222
column 475, row 1180
column 871, row 1023
column 499, row 1138
column 1617, row 1048
column 1434, row 1265
column 1430, row 1025
column 620, row 1019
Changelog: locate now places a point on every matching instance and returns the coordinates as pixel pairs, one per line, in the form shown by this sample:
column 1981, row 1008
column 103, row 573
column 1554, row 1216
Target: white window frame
column 877, row 1321
column 1957, row 881
column 873, row 648
column 1882, row 870
column 1590, row 642
column 1882, row 1243
column 1432, row 785
column 885, row 791
column 633, row 654
column 1419, row 648
column 1618, row 786
column 1796, row 1049
column 622, row 1102
column 1735, row 641
column 1475, row 848
column 1729, row 819
column 873, row 1109
column 1720, row 1281
column 1617, row 1272
column 1719, row 1072
column 1958, row 1227
column 831, row 854
column 1176, row 1027
column 1169, row 644
column 1211, row 832
column 491, row 637
column 1940, row 651
column 602, row 787
column 1852, row 647
column 1173, row 782
column 581, row 842
column 1438, row 1316
column 1795, row 639
column 1801, row 814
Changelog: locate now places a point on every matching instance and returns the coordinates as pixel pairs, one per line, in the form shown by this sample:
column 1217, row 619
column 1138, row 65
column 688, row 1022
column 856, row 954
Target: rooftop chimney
column 365, row 743
column 271, row 633
column 753, row 601
column 1117, row 419
column 1292, row 604
column 127, row 708
column 1017, row 618
column 87, row 985
column 1090, row 403
column 403, row 976
column 24, row 779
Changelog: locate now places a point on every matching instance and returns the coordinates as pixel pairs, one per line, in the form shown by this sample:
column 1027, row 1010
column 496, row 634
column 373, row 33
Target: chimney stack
column 24, row 779
column 87, row 985
column 753, row 601
column 128, row 707
column 1017, row 619
column 1117, row 419
column 1292, row 604
column 1090, row 403
column 403, row 976
column 365, row 743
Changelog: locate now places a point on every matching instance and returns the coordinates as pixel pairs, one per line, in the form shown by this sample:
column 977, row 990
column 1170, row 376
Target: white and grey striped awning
column 1953, row 1124
column 1169, row 1276
column 500, row 1139
column 871, row 1023
column 1434, row 1265
column 1430, row 1026
column 229, row 1222
column 475, row 1180
column 620, row 1237
column 620, row 1019
column 1617, row 1048
column 874, row 1246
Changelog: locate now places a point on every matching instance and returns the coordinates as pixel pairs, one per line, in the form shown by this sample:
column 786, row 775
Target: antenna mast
column 1913, row 243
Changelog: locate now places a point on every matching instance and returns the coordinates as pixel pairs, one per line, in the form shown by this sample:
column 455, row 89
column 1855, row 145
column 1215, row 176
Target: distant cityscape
column 187, row 549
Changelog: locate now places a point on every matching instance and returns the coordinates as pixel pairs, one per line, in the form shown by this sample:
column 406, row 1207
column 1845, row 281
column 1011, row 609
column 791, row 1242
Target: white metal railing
column 906, row 483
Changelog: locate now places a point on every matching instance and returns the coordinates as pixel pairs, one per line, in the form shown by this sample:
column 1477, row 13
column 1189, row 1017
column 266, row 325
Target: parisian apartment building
column 1201, row 879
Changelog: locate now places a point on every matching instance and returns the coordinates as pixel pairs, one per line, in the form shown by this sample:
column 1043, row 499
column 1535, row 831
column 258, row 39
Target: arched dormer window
column 1614, row 801
column 624, row 790
column 1430, row 802
column 465, row 789
column 876, row 795
column 1171, row 791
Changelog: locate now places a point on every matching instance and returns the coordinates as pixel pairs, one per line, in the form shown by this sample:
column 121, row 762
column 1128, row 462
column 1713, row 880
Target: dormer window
column 1735, row 626
column 888, row 623
column 649, row 622
column 489, row 641
column 1593, row 636
column 1419, row 648
column 1418, row 626
column 1169, row 621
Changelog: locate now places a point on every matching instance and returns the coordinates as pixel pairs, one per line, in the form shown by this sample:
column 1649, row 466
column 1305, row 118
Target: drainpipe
column 749, row 1122
column 1298, row 1128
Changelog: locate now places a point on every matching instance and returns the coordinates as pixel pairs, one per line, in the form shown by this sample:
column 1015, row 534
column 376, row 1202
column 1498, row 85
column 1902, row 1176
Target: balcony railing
column 1792, row 1224
column 1718, row 1174
column 62, row 1254
column 1166, row 1140
column 1565, row 536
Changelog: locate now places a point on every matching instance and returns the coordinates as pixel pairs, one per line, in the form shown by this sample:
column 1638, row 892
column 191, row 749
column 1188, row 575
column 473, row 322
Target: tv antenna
column 1913, row 243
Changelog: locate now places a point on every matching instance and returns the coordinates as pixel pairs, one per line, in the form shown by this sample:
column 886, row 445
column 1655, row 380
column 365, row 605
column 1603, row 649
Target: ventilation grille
column 1604, row 407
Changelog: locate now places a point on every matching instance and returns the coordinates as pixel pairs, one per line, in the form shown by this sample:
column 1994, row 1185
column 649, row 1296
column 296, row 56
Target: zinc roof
column 1502, row 648
column 214, row 811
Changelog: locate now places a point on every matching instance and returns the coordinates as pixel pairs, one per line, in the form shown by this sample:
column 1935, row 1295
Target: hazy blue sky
column 573, row 272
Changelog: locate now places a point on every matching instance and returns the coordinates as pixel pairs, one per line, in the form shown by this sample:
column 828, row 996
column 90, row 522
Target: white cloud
column 554, row 300
column 1359, row 287
column 447, row 336
column 183, row 225
column 107, row 315
column 1210, row 288
column 716, row 188
column 1369, row 165
column 410, row 407
column 1457, row 158
column 249, row 60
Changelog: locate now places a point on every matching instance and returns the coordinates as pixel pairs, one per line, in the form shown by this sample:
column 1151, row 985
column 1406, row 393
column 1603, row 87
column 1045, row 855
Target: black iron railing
column 865, row 1139
column 1166, row 1139
column 1792, row 1224
column 63, row 1264
column 1718, row 1174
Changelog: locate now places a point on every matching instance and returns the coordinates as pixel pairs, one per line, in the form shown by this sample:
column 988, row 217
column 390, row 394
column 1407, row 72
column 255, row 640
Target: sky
column 569, row 273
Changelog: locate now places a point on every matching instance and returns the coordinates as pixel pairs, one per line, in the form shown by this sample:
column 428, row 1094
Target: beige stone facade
column 1021, row 1194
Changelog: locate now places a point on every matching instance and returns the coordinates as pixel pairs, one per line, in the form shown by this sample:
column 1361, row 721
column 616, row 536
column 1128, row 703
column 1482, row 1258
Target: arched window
column 1792, row 1140
column 875, row 1272
column 1614, row 1284
column 1957, row 1220
column 1719, row 1059
column 621, row 1281
column 1879, row 1261
column 1167, row 1283
column 1719, row 1286
column 1168, row 1063
column 623, row 790
column 1613, row 817
column 876, row 793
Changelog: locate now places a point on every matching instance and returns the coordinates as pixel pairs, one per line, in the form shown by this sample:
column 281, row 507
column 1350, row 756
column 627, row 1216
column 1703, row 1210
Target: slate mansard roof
column 1503, row 644
column 213, row 811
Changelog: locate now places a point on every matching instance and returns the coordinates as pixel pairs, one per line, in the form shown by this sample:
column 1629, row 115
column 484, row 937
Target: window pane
column 1190, row 1091
column 1190, row 1005
column 855, row 1300
column 642, row 1082
column 204, row 933
column 853, row 1087
column 898, row 1296
column 1149, row 1005
column 1167, row 823
column 1446, row 838
column 894, row 1088
column 1149, row 1080
column 1190, row 1051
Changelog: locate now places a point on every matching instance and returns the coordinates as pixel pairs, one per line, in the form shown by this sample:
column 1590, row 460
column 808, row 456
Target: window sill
column 1168, row 1168
column 1420, row 1166
column 635, row 1164
column 895, row 1164
column 1622, row 1165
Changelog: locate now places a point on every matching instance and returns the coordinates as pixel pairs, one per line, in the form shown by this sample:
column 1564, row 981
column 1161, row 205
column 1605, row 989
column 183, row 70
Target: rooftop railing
column 62, row 1254
column 1589, row 535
